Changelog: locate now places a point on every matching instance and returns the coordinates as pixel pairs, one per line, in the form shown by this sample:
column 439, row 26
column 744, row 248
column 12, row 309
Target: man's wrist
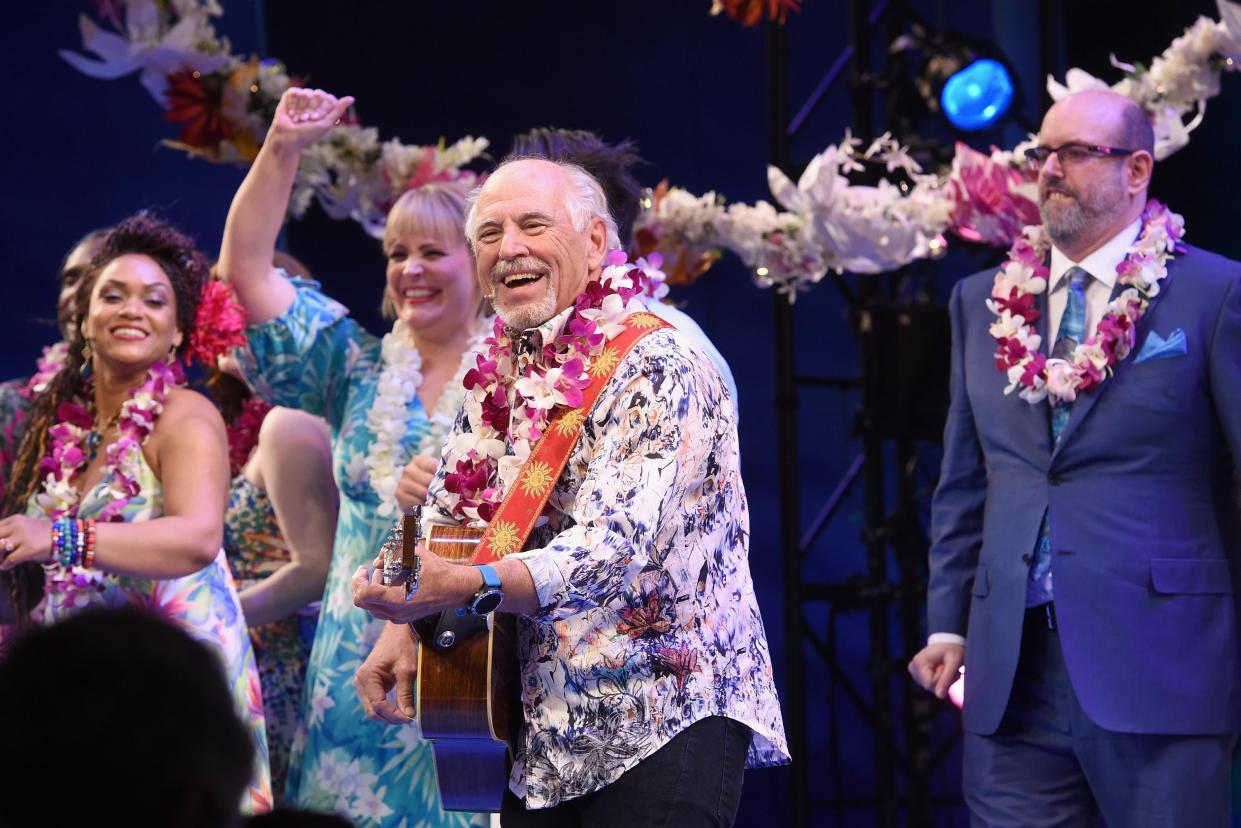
column 945, row 638
column 467, row 581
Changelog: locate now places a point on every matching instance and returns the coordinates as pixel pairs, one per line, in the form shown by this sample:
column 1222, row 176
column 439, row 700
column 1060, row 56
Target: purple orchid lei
column 507, row 405
column 1024, row 276
column 67, row 455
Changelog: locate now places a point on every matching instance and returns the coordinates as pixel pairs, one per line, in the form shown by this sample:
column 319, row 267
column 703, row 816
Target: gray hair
column 584, row 201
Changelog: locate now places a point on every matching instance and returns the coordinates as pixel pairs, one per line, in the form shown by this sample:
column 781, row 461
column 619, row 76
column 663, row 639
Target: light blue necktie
column 1071, row 333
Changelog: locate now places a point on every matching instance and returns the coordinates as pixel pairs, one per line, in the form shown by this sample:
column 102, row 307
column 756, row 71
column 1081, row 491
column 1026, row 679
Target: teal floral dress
column 204, row 603
column 255, row 550
column 315, row 358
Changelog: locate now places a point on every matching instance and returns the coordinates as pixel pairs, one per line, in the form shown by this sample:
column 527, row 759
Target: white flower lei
column 398, row 383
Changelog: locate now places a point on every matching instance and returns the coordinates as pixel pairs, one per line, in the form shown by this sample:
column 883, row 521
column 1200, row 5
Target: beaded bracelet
column 73, row 542
column 88, row 559
column 58, row 541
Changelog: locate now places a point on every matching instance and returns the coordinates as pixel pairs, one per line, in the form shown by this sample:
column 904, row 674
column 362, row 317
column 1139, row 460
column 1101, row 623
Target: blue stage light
column 977, row 96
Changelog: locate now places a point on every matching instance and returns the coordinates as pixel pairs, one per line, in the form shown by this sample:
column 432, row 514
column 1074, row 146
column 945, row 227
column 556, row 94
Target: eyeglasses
column 1073, row 153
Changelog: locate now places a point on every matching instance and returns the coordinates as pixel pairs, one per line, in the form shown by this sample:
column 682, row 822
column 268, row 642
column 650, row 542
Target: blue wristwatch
column 489, row 596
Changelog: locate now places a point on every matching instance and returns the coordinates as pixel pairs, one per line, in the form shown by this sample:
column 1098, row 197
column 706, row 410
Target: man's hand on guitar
column 393, row 662
column 442, row 586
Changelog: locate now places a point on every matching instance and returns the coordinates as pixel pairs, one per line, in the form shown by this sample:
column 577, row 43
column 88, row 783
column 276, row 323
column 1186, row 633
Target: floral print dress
column 313, row 357
column 204, row 604
column 255, row 550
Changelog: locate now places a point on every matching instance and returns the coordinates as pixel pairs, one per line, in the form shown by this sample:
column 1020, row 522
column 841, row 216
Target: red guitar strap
column 523, row 503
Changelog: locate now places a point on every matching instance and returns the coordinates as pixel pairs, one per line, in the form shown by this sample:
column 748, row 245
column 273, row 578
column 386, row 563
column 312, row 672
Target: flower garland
column 243, row 432
column 226, row 102
column 511, row 401
column 398, row 384
column 67, row 456
column 49, row 364
column 827, row 223
column 1024, row 276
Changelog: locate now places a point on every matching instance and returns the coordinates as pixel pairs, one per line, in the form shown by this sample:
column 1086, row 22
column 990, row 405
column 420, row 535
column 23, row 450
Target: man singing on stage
column 645, row 674
column 1085, row 535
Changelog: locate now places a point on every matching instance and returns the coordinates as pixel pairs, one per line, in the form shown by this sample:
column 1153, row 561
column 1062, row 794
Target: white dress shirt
column 1101, row 265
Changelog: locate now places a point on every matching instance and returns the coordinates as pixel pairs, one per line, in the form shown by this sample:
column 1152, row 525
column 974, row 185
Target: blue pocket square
column 1156, row 347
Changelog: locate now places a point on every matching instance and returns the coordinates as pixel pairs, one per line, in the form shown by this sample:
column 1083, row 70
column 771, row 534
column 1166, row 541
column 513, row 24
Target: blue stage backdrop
column 692, row 90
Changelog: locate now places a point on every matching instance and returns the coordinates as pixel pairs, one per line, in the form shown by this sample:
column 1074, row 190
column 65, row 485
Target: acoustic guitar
column 466, row 695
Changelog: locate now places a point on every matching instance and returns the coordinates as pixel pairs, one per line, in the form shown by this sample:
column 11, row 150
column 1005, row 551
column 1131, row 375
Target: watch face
column 487, row 602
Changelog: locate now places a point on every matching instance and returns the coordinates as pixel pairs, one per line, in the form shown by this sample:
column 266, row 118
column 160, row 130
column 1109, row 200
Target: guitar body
column 467, row 692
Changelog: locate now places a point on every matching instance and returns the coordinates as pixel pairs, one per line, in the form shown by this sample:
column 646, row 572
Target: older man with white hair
column 646, row 679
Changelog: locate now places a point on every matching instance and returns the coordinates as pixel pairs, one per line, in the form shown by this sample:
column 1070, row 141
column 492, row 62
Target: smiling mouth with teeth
column 517, row 280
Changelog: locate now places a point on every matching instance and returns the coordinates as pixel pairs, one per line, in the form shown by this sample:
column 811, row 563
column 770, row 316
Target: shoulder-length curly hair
column 188, row 271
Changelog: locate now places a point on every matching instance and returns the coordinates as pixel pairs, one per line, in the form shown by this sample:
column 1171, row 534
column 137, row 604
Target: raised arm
column 295, row 467
column 258, row 209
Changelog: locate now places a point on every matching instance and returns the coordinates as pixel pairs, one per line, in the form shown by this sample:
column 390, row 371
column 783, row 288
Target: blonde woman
column 385, row 402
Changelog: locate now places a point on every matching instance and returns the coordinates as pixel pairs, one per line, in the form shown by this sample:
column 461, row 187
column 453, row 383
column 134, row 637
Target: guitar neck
column 453, row 543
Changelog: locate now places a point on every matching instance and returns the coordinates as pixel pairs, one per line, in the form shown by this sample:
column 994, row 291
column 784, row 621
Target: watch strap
column 491, row 578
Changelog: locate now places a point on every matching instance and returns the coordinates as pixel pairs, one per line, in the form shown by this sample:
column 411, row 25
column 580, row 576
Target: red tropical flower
column 197, row 100
column 751, row 12
column 219, row 324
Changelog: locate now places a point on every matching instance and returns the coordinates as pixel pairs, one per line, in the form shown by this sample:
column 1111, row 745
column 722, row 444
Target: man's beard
column 1072, row 219
column 530, row 314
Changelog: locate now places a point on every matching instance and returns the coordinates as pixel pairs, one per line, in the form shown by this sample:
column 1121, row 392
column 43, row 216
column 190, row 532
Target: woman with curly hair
column 118, row 490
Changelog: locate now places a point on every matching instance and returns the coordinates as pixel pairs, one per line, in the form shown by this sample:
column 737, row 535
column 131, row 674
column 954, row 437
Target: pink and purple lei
column 479, row 467
column 1014, row 297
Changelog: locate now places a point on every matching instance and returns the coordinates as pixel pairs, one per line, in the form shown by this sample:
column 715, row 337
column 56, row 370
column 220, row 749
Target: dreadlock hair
column 610, row 164
column 187, row 270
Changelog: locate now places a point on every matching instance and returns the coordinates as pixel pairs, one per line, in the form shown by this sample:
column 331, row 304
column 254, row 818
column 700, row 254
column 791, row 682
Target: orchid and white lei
column 398, row 383
column 123, row 459
column 67, row 456
column 49, row 364
column 510, row 401
column 1024, row 276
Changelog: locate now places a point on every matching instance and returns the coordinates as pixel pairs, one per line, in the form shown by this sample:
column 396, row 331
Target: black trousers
column 694, row 780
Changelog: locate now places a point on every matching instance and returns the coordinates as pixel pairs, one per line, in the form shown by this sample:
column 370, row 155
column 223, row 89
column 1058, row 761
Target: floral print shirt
column 648, row 620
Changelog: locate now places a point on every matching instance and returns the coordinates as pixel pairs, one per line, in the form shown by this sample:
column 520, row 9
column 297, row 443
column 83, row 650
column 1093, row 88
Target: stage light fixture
column 964, row 79
column 978, row 96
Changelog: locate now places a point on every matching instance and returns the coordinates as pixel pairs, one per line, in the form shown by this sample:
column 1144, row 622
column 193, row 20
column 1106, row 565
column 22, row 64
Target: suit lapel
column 1085, row 402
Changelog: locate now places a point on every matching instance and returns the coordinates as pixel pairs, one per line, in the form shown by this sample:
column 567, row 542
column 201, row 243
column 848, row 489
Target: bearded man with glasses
column 1085, row 538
